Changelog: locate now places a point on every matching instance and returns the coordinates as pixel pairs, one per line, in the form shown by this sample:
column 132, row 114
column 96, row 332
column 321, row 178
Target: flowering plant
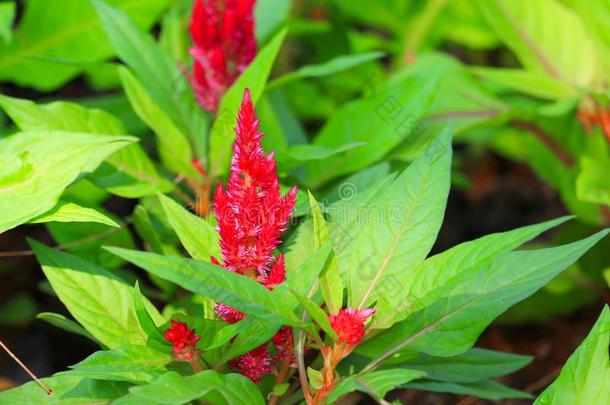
column 280, row 327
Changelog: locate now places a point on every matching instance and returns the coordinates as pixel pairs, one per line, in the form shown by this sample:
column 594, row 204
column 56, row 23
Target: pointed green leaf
column 66, row 211
column 376, row 384
column 330, row 279
column 584, row 378
column 449, row 320
column 400, row 226
column 174, row 148
column 64, row 323
column 98, row 299
column 197, row 235
column 208, row 386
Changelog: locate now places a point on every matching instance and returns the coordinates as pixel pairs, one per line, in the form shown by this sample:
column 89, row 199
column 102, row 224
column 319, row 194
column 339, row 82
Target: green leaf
column 85, row 239
column 155, row 69
column 583, row 379
column 211, row 281
column 269, row 15
column 487, row 389
column 57, row 40
column 144, row 318
column 174, row 148
column 376, row 384
column 66, row 211
column 402, row 226
column 331, row 284
column 197, row 235
column 64, row 323
column 471, row 366
column 96, row 298
column 316, row 379
column 7, row 16
column 129, row 172
column 383, row 120
column 593, row 182
column 67, row 389
column 254, row 78
column 531, row 83
column 448, row 266
column 303, row 277
column 207, row 386
column 37, row 166
column 317, row 314
column 335, row 65
column 529, row 29
column 135, row 364
column 449, row 319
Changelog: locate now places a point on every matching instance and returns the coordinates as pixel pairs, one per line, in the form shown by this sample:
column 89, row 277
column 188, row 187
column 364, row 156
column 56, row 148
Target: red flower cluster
column 349, row 324
column 254, row 364
column 251, row 215
column 222, row 33
column 184, row 341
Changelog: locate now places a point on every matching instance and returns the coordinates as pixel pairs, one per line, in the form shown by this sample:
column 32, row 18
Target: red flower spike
column 349, row 324
column 251, row 212
column 254, row 364
column 183, row 339
column 222, row 33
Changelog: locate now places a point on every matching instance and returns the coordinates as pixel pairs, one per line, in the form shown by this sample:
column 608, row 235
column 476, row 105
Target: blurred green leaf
column 488, row 389
column 66, row 324
column 56, row 40
column 128, row 173
column 7, row 16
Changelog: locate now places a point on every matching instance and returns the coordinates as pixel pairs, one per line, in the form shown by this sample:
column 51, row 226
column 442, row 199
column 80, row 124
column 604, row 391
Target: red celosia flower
column 284, row 343
column 251, row 212
column 254, row 364
column 222, row 33
column 251, row 215
column 349, row 324
column 183, row 339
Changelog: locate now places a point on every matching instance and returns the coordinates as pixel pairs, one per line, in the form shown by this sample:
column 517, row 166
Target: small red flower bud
column 228, row 314
column 348, row 324
column 222, row 33
column 284, row 343
column 183, row 339
column 254, row 364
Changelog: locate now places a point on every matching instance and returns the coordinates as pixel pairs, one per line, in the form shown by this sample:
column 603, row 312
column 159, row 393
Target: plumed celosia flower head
column 183, row 339
column 251, row 212
column 254, row 364
column 222, row 33
column 348, row 324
